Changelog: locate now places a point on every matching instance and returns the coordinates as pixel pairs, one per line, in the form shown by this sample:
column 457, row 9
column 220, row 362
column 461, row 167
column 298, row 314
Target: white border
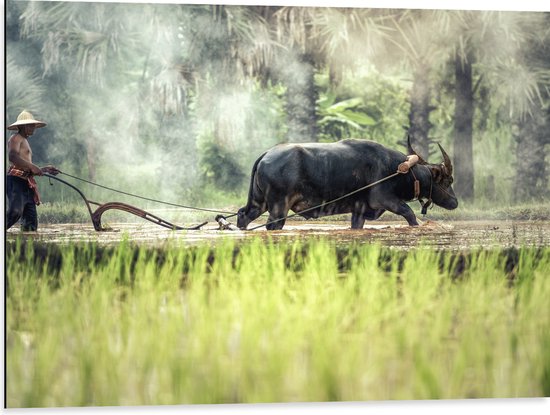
column 537, row 406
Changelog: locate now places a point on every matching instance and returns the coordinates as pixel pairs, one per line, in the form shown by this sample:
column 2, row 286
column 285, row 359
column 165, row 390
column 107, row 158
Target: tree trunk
column 463, row 162
column 301, row 98
column 531, row 180
column 91, row 157
column 419, row 115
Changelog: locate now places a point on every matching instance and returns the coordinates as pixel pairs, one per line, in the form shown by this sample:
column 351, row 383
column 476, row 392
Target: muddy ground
column 454, row 235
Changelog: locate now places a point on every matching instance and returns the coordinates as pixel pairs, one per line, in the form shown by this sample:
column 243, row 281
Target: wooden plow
column 95, row 215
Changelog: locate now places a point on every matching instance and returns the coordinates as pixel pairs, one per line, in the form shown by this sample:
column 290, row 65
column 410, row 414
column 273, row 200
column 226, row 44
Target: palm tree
column 314, row 38
column 414, row 43
column 463, row 27
column 24, row 86
column 296, row 69
column 490, row 45
column 532, row 115
column 80, row 43
column 122, row 74
column 481, row 46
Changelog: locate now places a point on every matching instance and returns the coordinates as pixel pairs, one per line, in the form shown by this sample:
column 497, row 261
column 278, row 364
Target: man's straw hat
column 26, row 118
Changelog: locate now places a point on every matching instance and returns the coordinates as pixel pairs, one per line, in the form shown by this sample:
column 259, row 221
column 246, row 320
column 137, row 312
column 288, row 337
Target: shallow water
column 454, row 235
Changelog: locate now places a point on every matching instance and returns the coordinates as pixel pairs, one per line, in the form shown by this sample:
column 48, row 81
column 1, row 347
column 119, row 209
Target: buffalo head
column 442, row 193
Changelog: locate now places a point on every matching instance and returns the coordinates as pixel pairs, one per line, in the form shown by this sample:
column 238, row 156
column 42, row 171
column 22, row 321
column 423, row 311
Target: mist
column 166, row 100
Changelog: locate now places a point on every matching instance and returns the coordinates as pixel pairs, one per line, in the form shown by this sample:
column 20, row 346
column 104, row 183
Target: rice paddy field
column 289, row 316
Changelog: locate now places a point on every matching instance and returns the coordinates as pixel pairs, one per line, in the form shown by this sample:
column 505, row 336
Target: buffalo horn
column 447, row 160
column 411, row 151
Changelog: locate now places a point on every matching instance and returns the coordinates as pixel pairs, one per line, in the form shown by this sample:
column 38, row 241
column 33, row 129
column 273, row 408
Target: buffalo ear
column 440, row 174
column 437, row 172
column 411, row 150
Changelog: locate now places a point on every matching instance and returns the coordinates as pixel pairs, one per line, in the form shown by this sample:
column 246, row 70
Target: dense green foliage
column 266, row 322
column 220, row 168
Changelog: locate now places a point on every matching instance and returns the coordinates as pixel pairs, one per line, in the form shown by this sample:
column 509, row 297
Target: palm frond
column 83, row 37
column 520, row 86
column 24, row 89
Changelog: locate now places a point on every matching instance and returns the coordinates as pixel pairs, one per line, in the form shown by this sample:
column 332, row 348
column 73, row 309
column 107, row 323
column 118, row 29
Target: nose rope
column 428, row 202
column 445, row 191
column 425, row 205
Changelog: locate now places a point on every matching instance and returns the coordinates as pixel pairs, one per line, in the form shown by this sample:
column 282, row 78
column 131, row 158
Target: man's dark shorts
column 21, row 205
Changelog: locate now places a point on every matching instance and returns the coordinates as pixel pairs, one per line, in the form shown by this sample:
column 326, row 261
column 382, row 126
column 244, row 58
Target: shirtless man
column 21, row 188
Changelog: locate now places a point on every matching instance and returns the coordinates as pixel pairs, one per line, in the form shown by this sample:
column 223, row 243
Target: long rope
column 146, row 198
column 329, row 202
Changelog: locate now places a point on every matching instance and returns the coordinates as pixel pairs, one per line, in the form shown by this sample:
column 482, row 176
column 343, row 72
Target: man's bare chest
column 24, row 150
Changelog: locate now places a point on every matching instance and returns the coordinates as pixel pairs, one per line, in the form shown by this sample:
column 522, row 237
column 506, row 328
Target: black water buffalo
column 301, row 176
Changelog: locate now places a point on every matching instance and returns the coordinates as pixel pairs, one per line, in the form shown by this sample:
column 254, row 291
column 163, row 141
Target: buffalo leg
column 245, row 215
column 255, row 213
column 278, row 213
column 357, row 221
column 402, row 209
column 358, row 218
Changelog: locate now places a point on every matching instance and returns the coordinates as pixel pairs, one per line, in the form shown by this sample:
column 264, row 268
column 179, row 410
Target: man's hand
column 50, row 170
column 35, row 170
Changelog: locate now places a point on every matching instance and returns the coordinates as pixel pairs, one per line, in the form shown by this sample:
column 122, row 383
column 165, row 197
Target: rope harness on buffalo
column 425, row 205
